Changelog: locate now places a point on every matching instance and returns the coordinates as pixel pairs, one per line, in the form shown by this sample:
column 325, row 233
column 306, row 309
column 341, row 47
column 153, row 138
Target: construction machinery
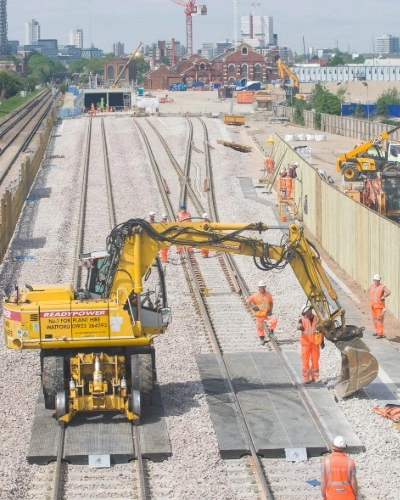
column 116, row 84
column 368, row 158
column 96, row 344
column 381, row 194
column 291, row 91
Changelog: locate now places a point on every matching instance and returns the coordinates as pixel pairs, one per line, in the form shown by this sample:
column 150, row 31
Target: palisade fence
column 13, row 200
column 357, row 238
column 342, row 125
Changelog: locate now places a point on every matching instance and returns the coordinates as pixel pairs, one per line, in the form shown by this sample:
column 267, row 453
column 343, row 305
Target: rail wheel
column 142, row 376
column 136, row 402
column 61, row 403
column 350, row 173
column 53, row 379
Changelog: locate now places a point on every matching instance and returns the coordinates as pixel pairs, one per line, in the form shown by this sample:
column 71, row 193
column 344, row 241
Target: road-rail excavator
column 96, row 346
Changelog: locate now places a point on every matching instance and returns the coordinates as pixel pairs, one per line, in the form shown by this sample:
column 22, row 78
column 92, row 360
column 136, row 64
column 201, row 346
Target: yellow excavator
column 285, row 71
column 96, row 343
column 370, row 157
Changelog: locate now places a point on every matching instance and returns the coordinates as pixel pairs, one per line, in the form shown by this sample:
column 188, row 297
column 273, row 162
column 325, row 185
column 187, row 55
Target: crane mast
column 191, row 10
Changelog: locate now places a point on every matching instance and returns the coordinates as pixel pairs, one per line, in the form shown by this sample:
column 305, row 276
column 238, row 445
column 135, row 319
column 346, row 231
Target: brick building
column 236, row 64
column 114, row 66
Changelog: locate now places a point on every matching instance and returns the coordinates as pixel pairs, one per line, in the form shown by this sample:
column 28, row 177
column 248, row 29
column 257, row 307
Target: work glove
column 322, row 345
column 256, row 308
column 301, row 328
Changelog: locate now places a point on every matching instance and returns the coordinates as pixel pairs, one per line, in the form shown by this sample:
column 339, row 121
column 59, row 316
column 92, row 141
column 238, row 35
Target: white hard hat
column 165, row 216
column 205, row 215
column 305, row 308
column 339, row 442
column 152, row 214
column 377, row 277
column 296, row 163
column 262, row 283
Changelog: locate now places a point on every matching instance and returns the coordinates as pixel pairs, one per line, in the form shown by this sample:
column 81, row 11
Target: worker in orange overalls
column 377, row 296
column 269, row 165
column 310, row 341
column 183, row 215
column 338, row 474
column 205, row 252
column 164, row 250
column 262, row 303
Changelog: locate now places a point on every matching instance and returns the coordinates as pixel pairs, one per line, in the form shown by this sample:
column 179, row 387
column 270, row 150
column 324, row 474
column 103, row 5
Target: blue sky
column 323, row 23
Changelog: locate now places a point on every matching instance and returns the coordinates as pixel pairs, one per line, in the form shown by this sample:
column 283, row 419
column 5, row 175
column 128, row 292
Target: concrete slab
column 334, row 420
column 154, row 438
column 44, row 435
column 231, row 441
column 106, row 433
column 276, row 416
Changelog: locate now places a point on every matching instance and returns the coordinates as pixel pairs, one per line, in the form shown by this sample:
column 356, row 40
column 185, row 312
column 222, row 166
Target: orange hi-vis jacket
column 264, row 302
column 338, row 470
column 185, row 216
column 308, row 335
column 375, row 295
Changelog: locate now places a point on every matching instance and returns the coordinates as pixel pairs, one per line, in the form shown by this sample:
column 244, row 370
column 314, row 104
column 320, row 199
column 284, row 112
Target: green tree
column 10, row 84
column 77, row 66
column 41, row 68
column 142, row 67
column 359, row 111
column 391, row 96
column 323, row 101
column 340, row 58
column 165, row 60
column 299, row 107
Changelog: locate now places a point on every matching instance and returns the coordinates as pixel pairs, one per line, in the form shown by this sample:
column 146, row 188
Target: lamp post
column 369, row 133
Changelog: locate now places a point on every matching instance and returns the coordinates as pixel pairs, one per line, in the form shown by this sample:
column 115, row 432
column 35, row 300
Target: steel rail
column 26, row 141
column 21, row 113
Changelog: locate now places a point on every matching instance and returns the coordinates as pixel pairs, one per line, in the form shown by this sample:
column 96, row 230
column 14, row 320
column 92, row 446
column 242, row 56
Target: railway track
column 18, row 130
column 63, row 480
column 220, row 293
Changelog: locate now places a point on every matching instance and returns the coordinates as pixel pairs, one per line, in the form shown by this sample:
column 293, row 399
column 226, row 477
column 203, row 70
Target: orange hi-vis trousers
column 309, row 357
column 377, row 318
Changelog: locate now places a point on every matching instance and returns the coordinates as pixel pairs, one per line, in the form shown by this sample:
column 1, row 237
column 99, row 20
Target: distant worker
column 164, row 250
column 269, row 165
column 152, row 217
column 338, row 474
column 262, row 303
column 310, row 341
column 377, row 296
column 292, row 170
column 183, row 215
column 205, row 252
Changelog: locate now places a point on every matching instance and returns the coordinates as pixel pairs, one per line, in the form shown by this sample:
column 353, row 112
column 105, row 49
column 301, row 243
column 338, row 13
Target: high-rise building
column 32, row 32
column 118, row 49
column 259, row 28
column 387, row 44
column 3, row 28
column 76, row 37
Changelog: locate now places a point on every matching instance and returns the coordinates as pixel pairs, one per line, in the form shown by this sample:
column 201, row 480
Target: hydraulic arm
column 96, row 342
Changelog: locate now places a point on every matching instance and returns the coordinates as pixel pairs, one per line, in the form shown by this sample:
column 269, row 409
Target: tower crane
column 191, row 10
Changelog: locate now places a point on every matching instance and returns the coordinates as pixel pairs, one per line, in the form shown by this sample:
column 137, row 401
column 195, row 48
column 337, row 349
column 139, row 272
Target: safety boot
column 262, row 340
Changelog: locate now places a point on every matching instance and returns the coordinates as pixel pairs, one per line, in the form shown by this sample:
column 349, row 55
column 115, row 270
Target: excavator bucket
column 359, row 366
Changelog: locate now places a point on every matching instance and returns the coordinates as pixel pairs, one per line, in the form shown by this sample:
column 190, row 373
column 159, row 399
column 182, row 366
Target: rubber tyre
column 395, row 168
column 53, row 379
column 350, row 173
column 142, row 377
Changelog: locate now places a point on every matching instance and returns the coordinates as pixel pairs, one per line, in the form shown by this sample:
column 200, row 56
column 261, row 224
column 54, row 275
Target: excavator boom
column 124, row 305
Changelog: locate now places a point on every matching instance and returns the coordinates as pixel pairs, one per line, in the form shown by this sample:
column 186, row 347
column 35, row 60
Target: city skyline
column 343, row 24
